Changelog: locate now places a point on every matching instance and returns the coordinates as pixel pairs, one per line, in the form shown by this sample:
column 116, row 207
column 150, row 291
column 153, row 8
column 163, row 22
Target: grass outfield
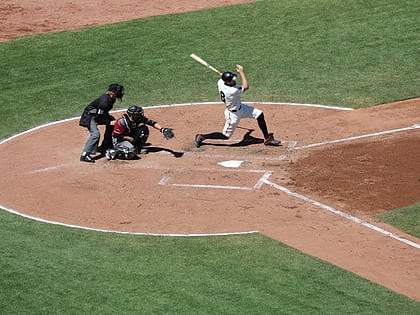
column 348, row 53
column 406, row 219
column 53, row 269
column 354, row 53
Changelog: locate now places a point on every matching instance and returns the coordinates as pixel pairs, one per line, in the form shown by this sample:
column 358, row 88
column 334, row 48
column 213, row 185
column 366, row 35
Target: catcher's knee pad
column 143, row 134
column 125, row 151
column 125, row 154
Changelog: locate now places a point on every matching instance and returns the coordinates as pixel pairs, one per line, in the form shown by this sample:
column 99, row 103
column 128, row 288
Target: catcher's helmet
column 117, row 89
column 135, row 110
column 228, row 76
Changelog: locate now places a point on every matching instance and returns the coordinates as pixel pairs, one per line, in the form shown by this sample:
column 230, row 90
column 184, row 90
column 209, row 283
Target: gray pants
column 91, row 146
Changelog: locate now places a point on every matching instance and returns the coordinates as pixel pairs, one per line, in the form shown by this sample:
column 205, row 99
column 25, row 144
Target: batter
column 230, row 94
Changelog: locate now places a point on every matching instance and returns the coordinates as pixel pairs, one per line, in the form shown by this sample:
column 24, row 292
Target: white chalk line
column 171, row 105
column 415, row 126
column 165, row 181
column 120, row 232
column 305, row 105
column 342, row 214
column 260, row 183
column 263, row 180
column 51, row 168
column 281, row 157
column 290, row 146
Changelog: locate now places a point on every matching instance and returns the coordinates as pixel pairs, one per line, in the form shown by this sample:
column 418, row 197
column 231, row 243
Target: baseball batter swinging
column 230, row 94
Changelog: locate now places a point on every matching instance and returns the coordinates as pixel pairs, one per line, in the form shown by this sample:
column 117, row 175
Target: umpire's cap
column 118, row 89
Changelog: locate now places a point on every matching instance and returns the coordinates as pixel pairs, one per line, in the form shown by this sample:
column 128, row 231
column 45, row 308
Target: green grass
column 349, row 53
column 51, row 269
column 406, row 219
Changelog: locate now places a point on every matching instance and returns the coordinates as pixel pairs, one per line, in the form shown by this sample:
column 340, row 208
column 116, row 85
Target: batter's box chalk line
column 167, row 180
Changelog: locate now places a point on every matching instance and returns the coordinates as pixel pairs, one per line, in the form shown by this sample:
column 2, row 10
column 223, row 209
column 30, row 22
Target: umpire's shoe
column 86, row 158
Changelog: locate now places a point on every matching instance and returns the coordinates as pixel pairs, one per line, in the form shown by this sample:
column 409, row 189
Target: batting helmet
column 228, row 76
column 117, row 89
column 135, row 110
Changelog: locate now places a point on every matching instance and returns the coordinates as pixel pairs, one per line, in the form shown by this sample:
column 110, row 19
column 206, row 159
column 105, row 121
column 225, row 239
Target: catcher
column 131, row 132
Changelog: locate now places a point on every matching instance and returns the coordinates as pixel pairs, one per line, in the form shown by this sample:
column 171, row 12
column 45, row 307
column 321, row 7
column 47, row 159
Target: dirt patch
column 179, row 189
column 361, row 162
column 25, row 17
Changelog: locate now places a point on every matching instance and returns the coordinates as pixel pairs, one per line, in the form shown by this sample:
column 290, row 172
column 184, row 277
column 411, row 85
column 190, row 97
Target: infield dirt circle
column 318, row 192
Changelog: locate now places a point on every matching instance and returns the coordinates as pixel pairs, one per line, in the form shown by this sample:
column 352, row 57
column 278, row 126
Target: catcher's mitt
column 168, row 133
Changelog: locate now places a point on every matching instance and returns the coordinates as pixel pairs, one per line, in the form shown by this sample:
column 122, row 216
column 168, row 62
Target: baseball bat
column 204, row 63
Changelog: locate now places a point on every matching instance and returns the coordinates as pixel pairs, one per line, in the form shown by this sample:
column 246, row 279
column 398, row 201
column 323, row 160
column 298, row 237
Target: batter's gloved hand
column 168, row 133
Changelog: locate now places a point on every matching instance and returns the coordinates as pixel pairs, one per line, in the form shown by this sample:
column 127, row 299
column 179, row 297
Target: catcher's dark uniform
column 136, row 129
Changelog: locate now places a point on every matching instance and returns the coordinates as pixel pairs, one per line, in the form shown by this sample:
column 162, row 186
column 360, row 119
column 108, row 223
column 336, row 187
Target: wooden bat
column 204, row 63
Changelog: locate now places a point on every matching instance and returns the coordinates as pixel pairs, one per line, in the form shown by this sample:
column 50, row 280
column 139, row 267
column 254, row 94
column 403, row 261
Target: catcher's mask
column 135, row 110
column 117, row 89
column 228, row 77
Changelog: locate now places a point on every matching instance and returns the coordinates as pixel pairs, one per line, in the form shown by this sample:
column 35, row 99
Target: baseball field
column 328, row 223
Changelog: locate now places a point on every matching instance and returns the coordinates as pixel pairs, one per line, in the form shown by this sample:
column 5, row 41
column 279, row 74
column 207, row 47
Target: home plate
column 231, row 163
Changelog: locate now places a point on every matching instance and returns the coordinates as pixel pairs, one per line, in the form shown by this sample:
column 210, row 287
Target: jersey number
column 222, row 97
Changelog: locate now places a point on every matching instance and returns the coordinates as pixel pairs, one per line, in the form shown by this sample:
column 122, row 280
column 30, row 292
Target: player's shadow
column 102, row 156
column 247, row 140
column 149, row 150
column 99, row 156
column 159, row 149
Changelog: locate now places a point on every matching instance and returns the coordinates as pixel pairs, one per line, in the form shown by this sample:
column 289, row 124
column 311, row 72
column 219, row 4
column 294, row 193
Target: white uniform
column 235, row 109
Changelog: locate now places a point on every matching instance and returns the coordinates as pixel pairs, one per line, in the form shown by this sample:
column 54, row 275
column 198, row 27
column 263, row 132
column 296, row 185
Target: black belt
column 235, row 110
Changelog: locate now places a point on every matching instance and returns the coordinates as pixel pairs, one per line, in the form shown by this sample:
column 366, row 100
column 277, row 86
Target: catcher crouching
column 131, row 132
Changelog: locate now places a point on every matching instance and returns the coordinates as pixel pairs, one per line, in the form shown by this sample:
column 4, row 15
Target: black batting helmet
column 135, row 110
column 118, row 89
column 228, row 76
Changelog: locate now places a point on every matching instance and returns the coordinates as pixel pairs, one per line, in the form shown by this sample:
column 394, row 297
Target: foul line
column 343, row 214
column 415, row 126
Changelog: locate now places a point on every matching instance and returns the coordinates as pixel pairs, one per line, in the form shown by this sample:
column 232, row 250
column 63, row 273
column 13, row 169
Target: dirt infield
column 317, row 193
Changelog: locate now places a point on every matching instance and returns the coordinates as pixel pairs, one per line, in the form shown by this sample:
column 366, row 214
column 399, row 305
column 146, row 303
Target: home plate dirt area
column 318, row 192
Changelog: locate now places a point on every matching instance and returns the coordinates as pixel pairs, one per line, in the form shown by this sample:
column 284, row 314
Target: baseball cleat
column 198, row 140
column 271, row 141
column 86, row 158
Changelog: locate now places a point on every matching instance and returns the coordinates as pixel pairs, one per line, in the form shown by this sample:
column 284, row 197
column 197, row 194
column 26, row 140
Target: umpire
column 97, row 113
